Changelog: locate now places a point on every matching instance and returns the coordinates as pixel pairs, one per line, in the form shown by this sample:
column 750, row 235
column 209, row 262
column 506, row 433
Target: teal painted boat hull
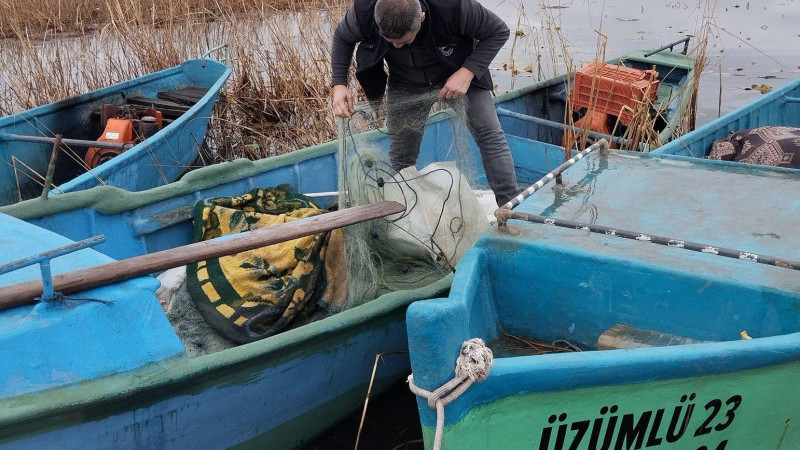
column 156, row 161
column 780, row 107
column 553, row 283
column 247, row 396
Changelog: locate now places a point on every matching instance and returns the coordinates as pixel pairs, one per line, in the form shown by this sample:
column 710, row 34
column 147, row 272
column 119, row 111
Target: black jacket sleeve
column 345, row 38
column 487, row 29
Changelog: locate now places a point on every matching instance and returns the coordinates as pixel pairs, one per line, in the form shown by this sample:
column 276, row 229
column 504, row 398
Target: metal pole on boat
column 113, row 272
column 540, row 121
column 684, row 41
column 44, row 262
column 656, row 239
column 342, row 175
column 70, row 142
column 51, row 167
column 602, row 145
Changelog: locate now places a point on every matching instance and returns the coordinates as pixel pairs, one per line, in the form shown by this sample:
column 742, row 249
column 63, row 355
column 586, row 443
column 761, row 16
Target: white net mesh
column 442, row 220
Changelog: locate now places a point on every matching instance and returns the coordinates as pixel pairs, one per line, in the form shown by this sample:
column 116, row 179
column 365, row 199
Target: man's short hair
column 395, row 18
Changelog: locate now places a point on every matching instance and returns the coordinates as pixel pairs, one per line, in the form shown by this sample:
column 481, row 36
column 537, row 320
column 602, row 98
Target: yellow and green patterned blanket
column 258, row 293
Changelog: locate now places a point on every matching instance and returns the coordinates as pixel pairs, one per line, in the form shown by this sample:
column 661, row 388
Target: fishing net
column 443, row 216
column 442, row 220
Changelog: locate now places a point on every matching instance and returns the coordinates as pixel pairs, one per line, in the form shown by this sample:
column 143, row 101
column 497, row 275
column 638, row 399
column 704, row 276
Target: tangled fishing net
column 442, row 219
column 443, row 216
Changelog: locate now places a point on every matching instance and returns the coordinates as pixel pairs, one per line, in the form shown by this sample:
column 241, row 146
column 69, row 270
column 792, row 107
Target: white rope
column 472, row 365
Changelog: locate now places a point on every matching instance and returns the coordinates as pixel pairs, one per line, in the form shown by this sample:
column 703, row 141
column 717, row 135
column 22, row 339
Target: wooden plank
column 114, row 272
column 625, row 336
column 167, row 108
column 185, row 96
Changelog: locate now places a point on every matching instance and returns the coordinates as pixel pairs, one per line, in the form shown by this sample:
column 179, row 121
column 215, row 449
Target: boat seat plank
column 168, row 108
column 621, row 336
column 186, row 96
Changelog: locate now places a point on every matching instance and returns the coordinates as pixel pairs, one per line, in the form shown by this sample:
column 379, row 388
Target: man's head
column 399, row 21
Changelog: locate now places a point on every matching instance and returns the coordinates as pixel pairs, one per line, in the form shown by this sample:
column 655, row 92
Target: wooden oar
column 113, row 272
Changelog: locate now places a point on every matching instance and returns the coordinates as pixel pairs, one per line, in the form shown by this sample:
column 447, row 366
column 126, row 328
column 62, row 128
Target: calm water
column 749, row 43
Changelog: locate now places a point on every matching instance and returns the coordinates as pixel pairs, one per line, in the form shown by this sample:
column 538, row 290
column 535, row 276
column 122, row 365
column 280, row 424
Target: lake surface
column 748, row 42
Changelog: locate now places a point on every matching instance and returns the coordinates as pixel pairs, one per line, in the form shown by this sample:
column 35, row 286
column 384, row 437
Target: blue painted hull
column 248, row 395
column 552, row 283
column 780, row 107
column 158, row 160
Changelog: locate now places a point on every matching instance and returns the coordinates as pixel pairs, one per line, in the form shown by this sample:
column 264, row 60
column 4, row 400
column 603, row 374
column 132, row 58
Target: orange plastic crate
column 615, row 87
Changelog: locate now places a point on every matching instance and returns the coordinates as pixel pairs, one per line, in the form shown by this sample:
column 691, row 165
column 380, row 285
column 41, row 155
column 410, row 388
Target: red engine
column 126, row 124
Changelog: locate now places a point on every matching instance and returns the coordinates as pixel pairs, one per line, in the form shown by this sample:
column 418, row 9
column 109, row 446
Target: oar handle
column 113, row 272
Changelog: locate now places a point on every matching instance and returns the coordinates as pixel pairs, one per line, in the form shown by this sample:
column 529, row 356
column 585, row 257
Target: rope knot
column 472, row 365
column 474, row 360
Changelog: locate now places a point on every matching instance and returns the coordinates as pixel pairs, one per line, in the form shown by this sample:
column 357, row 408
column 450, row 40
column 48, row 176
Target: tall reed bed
column 276, row 101
column 278, row 97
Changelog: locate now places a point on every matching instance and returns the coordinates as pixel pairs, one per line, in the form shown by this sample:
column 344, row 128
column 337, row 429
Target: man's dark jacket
column 462, row 32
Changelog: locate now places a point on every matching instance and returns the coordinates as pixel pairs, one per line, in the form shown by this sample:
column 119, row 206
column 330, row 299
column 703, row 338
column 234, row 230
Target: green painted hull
column 549, row 283
column 737, row 411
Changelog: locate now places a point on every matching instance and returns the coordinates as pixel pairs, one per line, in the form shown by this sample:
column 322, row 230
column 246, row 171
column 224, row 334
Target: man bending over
column 435, row 50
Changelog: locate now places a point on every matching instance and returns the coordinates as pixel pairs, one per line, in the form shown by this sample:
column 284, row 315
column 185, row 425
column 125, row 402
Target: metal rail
column 551, row 123
column 652, row 238
column 44, row 263
column 602, row 145
column 70, row 142
column 684, row 41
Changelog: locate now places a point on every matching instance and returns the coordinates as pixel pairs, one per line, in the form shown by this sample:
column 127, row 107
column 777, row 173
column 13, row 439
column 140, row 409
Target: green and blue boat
column 645, row 301
column 93, row 374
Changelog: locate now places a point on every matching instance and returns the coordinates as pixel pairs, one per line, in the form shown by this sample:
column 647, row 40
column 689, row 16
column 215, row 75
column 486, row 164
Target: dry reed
column 278, row 97
column 276, row 100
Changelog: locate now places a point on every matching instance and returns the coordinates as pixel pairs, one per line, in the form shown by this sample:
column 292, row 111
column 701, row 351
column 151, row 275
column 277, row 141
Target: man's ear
column 422, row 16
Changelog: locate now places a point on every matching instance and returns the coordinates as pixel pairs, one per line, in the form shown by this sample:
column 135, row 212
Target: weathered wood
column 168, row 109
column 51, row 167
column 113, row 272
column 625, row 336
column 187, row 96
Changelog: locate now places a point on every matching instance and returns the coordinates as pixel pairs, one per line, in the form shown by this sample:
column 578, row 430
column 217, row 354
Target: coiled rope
column 472, row 365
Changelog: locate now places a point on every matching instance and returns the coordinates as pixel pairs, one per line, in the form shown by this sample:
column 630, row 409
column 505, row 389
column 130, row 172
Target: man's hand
column 343, row 101
column 457, row 85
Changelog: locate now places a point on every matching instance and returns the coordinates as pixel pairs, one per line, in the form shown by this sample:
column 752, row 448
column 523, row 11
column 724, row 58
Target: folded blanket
column 261, row 292
column 768, row 145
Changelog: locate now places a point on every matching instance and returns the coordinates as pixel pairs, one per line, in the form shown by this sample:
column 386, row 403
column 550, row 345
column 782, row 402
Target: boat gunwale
column 182, row 369
column 726, row 120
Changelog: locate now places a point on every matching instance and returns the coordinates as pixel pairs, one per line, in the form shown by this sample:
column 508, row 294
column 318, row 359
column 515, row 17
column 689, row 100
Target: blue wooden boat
column 674, row 285
column 780, row 107
column 549, row 109
column 135, row 135
column 248, row 395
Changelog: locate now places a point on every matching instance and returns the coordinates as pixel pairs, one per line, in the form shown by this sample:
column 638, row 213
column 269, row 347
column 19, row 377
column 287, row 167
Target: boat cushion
column 768, row 145
column 258, row 293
